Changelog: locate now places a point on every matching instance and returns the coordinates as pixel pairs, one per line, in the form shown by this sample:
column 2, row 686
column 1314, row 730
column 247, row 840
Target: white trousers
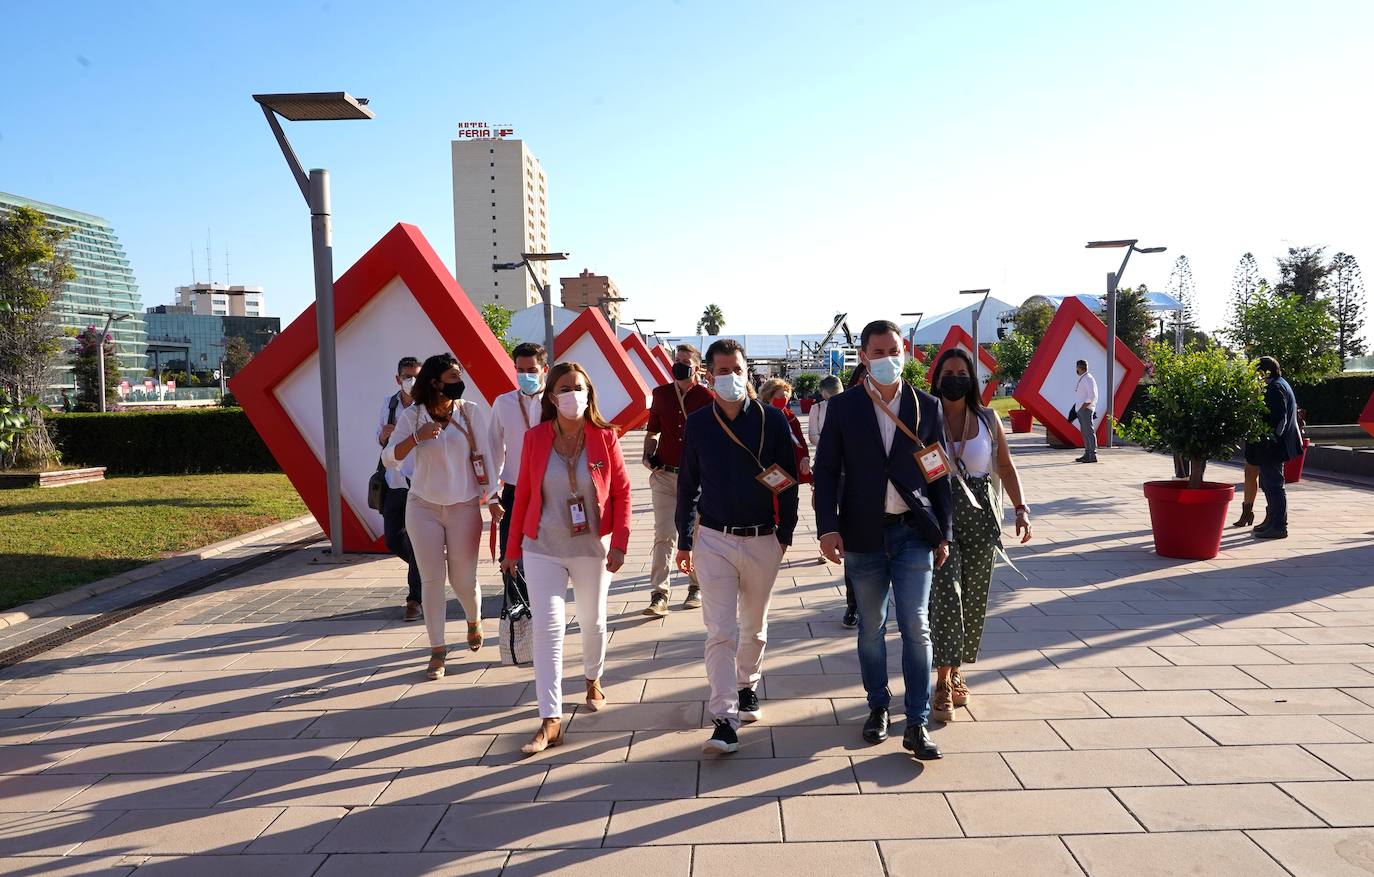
column 736, row 574
column 547, row 579
column 445, row 539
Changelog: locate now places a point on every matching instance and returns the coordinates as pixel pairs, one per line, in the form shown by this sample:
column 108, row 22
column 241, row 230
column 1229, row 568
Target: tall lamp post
column 911, row 336
column 977, row 318
column 603, row 303
column 640, row 329
column 320, row 107
column 110, row 317
column 525, row 260
column 1113, row 281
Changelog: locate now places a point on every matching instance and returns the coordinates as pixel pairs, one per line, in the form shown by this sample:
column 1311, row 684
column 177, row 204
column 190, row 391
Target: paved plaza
column 1131, row 715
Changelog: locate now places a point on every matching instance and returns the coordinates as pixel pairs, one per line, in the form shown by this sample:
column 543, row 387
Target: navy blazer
column 852, row 471
column 1283, row 441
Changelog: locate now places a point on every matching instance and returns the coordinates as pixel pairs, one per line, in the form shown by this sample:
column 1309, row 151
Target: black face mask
column 453, row 390
column 954, row 387
column 681, row 371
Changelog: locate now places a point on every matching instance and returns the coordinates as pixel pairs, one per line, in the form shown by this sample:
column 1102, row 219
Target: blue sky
column 784, row 160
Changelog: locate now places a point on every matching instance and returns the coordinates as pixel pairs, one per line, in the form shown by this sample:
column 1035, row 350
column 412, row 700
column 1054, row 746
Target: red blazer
column 608, row 475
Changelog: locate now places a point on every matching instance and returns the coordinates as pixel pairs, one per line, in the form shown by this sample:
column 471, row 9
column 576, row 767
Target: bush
column 1338, row 399
column 804, row 384
column 187, row 440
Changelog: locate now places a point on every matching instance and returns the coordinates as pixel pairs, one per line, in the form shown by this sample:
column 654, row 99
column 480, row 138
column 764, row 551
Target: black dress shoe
column 875, row 729
column 917, row 741
column 1272, row 533
column 851, row 618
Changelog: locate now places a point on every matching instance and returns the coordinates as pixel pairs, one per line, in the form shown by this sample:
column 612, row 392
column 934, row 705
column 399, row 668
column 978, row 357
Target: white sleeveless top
column 977, row 451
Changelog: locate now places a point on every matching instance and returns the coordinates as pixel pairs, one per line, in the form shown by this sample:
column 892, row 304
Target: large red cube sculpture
column 959, row 337
column 1367, row 415
column 651, row 371
column 621, row 393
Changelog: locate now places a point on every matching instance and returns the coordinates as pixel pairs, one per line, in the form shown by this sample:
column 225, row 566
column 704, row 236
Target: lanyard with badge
column 960, row 469
column 476, row 460
column 577, row 507
column 524, row 412
column 930, row 459
column 773, row 477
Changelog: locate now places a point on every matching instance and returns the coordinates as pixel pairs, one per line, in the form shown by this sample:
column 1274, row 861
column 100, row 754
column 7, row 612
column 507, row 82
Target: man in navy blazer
column 1282, row 443
column 878, row 515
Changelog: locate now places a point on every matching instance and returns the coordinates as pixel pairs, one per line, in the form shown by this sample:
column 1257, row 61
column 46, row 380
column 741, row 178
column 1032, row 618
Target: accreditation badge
column 479, row 469
column 577, row 515
column 776, row 479
column 932, row 461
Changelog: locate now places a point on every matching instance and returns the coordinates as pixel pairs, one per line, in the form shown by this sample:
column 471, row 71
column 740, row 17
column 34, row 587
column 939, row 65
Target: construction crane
column 811, row 355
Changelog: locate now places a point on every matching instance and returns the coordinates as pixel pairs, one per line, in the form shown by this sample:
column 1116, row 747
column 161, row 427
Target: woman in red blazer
column 570, row 521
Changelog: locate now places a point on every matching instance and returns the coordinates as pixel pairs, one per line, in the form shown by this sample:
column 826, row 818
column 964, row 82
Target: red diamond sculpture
column 1047, row 387
column 621, row 393
column 1367, row 415
column 397, row 300
column 987, row 363
column 651, row 371
column 664, row 359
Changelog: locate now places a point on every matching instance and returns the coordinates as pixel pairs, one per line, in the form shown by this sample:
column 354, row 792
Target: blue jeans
column 902, row 569
column 1275, row 494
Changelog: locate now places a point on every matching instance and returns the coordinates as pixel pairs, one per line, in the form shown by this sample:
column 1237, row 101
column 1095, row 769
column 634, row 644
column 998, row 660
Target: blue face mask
column 529, row 383
column 729, row 387
column 886, row 370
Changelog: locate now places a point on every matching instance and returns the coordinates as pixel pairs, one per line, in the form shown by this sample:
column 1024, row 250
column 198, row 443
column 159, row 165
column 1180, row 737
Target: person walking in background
column 398, row 484
column 1085, row 408
column 572, row 522
column 778, row 393
column 512, row 415
column 668, row 411
column 850, row 619
column 829, row 386
column 884, row 509
column 452, row 478
column 1283, row 442
column 738, row 480
column 977, row 445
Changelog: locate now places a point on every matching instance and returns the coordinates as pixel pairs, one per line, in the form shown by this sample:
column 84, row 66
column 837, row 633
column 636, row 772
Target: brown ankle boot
column 1247, row 515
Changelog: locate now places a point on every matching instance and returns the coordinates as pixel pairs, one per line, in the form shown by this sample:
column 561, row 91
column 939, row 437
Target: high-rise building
column 104, row 283
column 180, row 340
column 500, row 210
column 222, row 300
column 588, row 290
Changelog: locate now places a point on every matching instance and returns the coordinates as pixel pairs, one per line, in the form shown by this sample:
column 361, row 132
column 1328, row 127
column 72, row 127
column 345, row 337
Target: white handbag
column 517, row 628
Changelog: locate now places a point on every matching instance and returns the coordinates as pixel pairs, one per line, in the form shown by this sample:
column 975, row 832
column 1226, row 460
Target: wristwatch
column 1023, row 508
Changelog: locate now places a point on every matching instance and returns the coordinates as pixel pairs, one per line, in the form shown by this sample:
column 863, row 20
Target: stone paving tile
column 309, row 788
column 134, row 758
column 1138, row 704
column 1006, row 707
column 1246, row 764
column 33, row 758
column 513, row 826
column 1237, row 730
column 1361, row 725
column 471, row 864
column 441, row 784
column 1146, row 733
column 34, row 792
column 619, row 782
column 1216, row 854
column 1191, row 678
column 857, row 859
column 754, row 742
column 1355, row 760
column 155, row 791
column 956, row 772
column 1071, row 680
column 275, row 755
column 1341, row 803
column 366, row 723
column 1306, row 675
column 395, row 829
column 1324, row 852
column 183, row 832
column 640, row 717
column 67, row 866
column 785, row 777
column 297, row 830
column 231, row 866
column 695, row 821
column 981, row 857
column 996, row 736
column 862, row 817
column 1090, row 768
column 667, row 861
column 1058, row 811
column 1215, row 807
column 1295, row 701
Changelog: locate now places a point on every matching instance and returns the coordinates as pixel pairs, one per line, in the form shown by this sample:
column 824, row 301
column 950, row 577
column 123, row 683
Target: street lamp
column 110, row 317
column 525, row 260
column 911, row 336
column 605, row 300
column 320, row 107
column 1113, row 280
column 640, row 329
column 977, row 318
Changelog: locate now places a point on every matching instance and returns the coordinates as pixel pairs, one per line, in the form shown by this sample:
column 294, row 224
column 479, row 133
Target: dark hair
column 424, row 391
column 722, row 347
column 1271, row 365
column 689, row 348
column 858, row 374
column 1082, row 363
column 529, row 348
column 407, row 362
column 877, row 327
column 974, row 397
column 548, row 409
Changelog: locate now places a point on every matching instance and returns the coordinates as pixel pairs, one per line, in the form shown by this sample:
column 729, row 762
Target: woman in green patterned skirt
column 977, row 446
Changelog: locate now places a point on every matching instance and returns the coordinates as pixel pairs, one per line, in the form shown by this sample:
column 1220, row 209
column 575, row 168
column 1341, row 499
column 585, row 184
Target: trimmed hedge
column 182, row 441
column 1336, row 400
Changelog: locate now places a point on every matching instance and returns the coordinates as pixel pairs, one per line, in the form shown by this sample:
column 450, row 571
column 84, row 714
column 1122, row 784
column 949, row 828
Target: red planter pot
column 1292, row 470
column 1021, row 420
column 806, row 405
column 1188, row 523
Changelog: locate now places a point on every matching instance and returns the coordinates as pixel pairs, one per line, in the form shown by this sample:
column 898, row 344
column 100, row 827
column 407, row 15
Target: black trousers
column 1275, row 494
column 515, row 585
column 397, row 542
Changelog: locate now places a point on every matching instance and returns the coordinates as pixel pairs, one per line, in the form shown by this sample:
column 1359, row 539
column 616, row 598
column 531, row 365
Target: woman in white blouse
column 453, row 478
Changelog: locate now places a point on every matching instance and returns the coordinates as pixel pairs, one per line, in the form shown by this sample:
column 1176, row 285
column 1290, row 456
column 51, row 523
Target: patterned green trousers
column 959, row 588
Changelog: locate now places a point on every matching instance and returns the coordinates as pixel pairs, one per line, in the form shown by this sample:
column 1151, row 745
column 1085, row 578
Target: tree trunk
column 1196, row 467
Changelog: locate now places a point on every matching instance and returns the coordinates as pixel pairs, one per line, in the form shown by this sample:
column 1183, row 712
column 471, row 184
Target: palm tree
column 712, row 320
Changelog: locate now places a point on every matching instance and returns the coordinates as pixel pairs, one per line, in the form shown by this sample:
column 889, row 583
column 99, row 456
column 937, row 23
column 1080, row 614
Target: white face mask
column 730, row 387
column 407, row 384
column 572, row 403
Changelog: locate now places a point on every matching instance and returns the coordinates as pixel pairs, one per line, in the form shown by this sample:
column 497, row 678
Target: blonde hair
column 772, row 387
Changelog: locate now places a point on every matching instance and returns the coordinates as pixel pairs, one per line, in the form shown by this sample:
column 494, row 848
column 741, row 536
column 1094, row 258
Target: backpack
column 376, row 485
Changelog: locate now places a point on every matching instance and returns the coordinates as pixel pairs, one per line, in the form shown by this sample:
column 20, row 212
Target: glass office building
column 104, row 282
column 182, row 341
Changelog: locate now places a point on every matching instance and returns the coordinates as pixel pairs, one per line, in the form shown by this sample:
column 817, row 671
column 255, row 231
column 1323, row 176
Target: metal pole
column 100, row 358
column 322, row 239
column 1111, row 355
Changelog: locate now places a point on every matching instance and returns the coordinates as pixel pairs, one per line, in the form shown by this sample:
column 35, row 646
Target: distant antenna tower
column 193, row 264
column 226, row 266
column 209, row 266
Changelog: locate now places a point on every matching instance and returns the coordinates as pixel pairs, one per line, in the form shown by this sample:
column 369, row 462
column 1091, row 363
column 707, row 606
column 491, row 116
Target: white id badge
column 577, row 514
column 479, row 469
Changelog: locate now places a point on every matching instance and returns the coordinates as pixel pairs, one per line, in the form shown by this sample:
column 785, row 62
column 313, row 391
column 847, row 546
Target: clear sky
column 785, row 160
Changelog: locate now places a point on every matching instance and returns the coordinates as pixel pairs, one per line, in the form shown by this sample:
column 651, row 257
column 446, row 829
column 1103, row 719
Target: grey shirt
column 555, row 537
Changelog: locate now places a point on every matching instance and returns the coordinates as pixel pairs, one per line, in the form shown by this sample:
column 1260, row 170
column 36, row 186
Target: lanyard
column 524, row 412
column 958, row 448
column 882, row 406
column 572, row 461
column 466, row 427
column 681, row 403
column 763, row 429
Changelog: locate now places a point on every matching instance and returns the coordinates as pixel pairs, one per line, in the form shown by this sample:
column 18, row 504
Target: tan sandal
column 550, row 733
column 596, row 698
column 475, row 638
column 435, row 670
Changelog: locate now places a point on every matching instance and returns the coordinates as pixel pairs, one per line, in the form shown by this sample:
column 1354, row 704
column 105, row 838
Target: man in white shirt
column 514, row 414
column 1085, row 403
column 398, row 484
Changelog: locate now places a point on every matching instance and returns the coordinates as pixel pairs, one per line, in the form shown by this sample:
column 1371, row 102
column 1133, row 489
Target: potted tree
column 1013, row 354
column 803, row 385
column 1204, row 405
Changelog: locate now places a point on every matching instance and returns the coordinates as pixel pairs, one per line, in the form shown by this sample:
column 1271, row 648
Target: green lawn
column 53, row 539
column 1003, row 404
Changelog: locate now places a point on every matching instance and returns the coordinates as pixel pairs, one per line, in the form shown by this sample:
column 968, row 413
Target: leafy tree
column 1032, row 319
column 1013, row 354
column 237, row 354
column 33, row 270
column 497, row 319
column 1134, row 320
column 1181, row 287
column 1245, row 283
column 712, row 321
column 804, row 384
column 1302, row 273
column 1347, row 305
column 86, row 369
column 914, row 373
column 1204, row 406
column 1299, row 334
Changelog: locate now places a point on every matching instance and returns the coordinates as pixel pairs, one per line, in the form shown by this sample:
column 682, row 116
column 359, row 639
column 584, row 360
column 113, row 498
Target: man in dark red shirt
column 672, row 402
